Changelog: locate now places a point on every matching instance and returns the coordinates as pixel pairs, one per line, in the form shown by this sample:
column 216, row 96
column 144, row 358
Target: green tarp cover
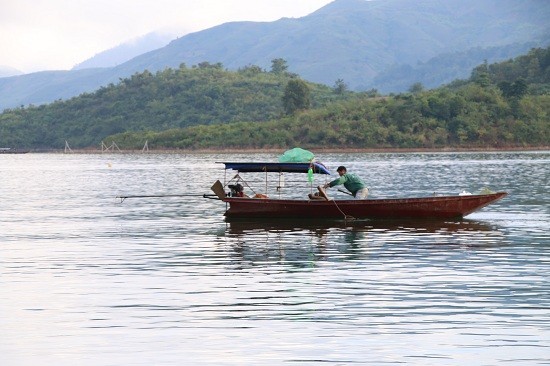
column 296, row 155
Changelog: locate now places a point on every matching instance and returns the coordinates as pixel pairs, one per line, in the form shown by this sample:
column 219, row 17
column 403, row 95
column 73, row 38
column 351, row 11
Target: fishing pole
column 210, row 196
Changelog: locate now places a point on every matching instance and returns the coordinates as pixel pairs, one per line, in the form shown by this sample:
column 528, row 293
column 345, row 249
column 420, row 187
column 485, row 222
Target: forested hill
column 173, row 98
column 502, row 105
column 533, row 69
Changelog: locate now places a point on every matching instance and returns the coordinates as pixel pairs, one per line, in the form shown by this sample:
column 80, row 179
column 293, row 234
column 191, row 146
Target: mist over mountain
column 126, row 51
column 6, row 71
column 368, row 44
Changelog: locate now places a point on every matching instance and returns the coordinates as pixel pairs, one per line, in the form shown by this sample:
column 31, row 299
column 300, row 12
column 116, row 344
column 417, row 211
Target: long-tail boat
column 317, row 205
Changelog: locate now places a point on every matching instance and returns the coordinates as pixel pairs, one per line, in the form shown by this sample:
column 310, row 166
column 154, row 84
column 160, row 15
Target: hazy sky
column 57, row 34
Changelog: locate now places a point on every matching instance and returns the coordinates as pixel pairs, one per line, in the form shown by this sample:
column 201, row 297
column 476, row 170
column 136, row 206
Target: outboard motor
column 237, row 190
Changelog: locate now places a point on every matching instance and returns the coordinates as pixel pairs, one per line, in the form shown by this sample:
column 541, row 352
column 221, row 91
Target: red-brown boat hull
column 444, row 207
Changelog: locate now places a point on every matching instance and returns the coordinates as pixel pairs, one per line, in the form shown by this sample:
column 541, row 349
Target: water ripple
column 88, row 280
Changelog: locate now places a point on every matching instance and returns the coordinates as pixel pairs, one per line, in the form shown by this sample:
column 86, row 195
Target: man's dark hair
column 340, row 168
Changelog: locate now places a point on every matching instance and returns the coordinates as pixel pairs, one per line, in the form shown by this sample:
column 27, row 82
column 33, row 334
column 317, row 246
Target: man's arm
column 336, row 182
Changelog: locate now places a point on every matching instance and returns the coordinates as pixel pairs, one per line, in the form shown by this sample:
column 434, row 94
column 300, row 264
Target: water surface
column 87, row 280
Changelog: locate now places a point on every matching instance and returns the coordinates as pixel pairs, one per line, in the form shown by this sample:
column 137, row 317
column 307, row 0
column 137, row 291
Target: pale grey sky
column 57, row 34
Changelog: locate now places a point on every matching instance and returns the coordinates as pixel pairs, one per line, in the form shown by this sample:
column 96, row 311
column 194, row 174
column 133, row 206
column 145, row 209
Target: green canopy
column 296, row 155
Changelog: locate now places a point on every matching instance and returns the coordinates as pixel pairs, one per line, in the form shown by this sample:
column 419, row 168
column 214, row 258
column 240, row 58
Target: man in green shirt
column 352, row 182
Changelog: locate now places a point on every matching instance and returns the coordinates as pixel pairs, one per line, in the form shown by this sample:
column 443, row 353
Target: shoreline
column 317, row 150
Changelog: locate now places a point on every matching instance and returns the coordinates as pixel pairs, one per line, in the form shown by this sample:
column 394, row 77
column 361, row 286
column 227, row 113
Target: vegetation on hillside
column 443, row 68
column 501, row 105
column 174, row 98
column 475, row 116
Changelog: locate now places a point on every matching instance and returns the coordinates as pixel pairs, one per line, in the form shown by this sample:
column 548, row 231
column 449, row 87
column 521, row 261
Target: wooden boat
column 263, row 206
column 9, row 150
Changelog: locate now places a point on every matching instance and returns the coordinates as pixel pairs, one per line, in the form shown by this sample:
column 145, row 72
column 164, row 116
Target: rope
column 346, row 217
column 324, row 195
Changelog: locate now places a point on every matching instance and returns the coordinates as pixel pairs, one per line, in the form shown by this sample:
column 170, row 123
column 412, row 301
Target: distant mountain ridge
column 356, row 39
column 126, row 51
column 353, row 40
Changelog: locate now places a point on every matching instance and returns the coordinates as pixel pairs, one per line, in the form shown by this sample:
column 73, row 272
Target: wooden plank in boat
column 217, row 188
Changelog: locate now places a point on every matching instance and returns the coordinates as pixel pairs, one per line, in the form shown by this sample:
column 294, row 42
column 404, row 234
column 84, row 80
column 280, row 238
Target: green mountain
column 502, row 105
column 443, row 68
column 203, row 94
column 353, row 40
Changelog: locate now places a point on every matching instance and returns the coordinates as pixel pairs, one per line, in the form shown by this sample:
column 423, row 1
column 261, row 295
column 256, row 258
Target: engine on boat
column 237, row 190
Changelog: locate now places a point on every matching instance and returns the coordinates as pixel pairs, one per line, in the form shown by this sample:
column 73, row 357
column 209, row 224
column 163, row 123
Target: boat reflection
column 239, row 227
column 301, row 242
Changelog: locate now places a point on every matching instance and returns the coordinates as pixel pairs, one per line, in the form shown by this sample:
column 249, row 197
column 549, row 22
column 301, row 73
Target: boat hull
column 442, row 207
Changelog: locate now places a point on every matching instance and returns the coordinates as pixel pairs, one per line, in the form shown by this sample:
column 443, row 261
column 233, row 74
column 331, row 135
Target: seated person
column 237, row 190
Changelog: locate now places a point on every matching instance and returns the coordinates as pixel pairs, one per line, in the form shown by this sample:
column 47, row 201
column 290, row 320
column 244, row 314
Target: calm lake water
column 86, row 280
